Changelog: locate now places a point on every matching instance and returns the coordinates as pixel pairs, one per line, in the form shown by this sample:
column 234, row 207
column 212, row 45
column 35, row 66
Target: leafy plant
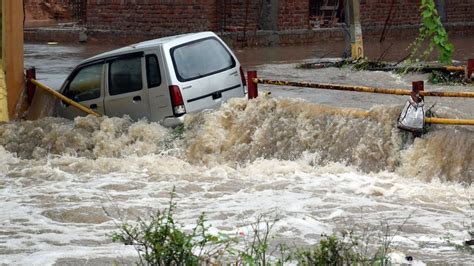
column 329, row 251
column 160, row 241
column 256, row 250
column 332, row 250
column 431, row 28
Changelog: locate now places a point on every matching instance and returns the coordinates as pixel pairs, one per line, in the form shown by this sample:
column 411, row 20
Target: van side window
column 86, row 84
column 152, row 71
column 125, row 75
column 200, row 58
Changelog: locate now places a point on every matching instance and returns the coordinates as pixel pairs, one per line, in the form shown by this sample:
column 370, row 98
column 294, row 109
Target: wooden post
column 12, row 58
column 357, row 44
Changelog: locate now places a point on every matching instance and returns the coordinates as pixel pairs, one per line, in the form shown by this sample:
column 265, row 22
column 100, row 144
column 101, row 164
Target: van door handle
column 137, row 99
column 93, row 106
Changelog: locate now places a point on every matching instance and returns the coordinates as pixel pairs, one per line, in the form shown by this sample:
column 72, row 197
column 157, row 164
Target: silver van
column 161, row 79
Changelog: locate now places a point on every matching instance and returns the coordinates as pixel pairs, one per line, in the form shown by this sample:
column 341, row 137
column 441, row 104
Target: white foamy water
column 64, row 184
column 319, row 169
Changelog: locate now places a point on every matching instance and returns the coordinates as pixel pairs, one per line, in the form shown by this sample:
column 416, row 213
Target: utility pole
column 357, row 44
column 11, row 61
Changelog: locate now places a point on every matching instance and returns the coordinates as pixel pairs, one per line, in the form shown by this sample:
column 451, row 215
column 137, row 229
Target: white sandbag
column 412, row 117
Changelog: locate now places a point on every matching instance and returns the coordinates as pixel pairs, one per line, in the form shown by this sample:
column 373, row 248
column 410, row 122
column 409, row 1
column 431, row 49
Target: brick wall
column 293, row 14
column 127, row 20
column 175, row 16
column 237, row 14
column 375, row 12
column 165, row 17
column 406, row 12
column 459, row 11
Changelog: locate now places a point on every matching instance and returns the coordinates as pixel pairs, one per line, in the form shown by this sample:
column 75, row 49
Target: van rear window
column 200, row 58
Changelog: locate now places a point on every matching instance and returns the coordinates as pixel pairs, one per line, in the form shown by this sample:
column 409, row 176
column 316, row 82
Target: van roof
column 137, row 47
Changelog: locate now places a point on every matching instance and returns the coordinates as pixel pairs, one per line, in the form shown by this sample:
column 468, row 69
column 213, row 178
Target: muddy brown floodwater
column 303, row 155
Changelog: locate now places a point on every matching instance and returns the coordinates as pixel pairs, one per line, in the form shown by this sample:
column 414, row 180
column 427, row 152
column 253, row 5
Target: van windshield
column 200, row 58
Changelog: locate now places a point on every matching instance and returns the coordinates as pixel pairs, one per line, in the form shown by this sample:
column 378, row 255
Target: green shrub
column 161, row 241
column 332, row 250
column 256, row 249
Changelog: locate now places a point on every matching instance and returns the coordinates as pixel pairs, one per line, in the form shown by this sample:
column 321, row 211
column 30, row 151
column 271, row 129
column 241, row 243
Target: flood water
column 305, row 156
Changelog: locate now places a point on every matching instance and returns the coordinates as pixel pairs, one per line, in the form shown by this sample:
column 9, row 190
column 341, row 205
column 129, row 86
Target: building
column 250, row 22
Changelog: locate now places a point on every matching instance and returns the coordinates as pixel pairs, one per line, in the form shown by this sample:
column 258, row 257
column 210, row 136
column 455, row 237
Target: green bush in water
column 160, row 241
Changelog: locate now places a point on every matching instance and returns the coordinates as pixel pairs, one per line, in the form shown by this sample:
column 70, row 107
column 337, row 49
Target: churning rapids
column 313, row 165
column 316, row 166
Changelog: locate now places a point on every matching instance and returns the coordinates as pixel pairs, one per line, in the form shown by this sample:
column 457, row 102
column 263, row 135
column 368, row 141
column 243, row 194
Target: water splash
column 266, row 128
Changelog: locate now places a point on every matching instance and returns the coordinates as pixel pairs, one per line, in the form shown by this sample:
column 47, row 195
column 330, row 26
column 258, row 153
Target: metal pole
column 461, row 94
column 357, row 44
column 64, row 98
column 469, row 68
column 447, row 121
column 252, row 86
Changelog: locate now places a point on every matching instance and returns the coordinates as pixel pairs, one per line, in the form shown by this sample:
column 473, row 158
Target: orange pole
column 12, row 53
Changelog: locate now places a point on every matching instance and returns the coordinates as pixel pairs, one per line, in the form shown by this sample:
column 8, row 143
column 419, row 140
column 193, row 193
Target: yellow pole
column 3, row 85
column 3, row 97
column 447, row 121
column 362, row 88
column 362, row 113
column 454, row 68
column 64, row 98
column 12, row 56
column 429, row 120
column 357, row 44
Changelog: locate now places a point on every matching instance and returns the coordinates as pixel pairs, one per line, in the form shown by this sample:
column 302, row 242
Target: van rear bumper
column 173, row 121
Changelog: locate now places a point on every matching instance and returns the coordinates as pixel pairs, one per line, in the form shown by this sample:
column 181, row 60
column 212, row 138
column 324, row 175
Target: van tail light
column 242, row 76
column 177, row 100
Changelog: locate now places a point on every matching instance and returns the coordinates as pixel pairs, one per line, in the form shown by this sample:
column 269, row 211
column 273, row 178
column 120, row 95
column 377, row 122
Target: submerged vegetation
column 437, row 74
column 160, row 240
